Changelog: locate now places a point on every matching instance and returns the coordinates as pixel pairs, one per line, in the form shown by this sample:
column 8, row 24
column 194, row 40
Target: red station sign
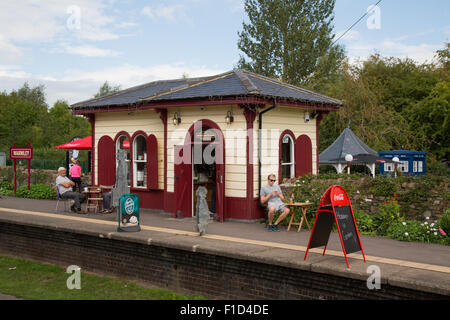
column 21, row 153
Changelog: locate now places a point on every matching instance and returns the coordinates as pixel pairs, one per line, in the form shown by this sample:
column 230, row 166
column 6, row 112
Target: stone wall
column 182, row 270
column 418, row 199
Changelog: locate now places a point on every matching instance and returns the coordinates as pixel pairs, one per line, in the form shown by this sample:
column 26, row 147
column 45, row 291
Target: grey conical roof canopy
column 347, row 143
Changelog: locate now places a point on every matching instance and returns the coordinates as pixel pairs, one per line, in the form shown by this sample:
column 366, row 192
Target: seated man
column 64, row 186
column 273, row 196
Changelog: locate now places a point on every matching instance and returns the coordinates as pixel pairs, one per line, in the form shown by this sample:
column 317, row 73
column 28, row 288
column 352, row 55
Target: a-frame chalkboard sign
column 335, row 206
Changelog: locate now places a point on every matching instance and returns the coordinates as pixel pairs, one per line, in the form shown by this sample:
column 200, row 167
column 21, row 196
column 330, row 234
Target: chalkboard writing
column 347, row 228
column 335, row 206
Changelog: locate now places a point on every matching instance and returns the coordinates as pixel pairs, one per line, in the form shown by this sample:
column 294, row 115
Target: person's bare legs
column 283, row 215
column 270, row 215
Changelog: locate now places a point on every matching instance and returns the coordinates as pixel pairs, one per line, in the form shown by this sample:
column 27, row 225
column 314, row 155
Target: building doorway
column 200, row 162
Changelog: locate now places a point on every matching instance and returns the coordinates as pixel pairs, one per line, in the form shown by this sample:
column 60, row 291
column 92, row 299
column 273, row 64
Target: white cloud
column 8, row 51
column 77, row 85
column 351, row 35
column 360, row 49
column 170, row 14
column 90, row 51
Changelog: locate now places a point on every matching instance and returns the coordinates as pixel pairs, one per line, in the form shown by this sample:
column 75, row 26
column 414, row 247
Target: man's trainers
column 269, row 227
column 275, row 228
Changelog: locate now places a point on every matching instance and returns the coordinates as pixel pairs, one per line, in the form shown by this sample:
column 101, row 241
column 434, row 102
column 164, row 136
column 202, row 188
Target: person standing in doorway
column 272, row 195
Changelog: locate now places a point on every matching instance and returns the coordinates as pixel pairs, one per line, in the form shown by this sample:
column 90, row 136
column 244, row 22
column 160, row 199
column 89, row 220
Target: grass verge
column 36, row 281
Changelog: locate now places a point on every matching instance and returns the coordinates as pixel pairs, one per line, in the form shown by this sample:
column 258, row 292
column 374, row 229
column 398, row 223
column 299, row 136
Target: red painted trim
column 280, row 141
column 250, row 112
column 196, row 102
column 152, row 162
column 303, row 155
column 106, row 161
column 122, row 133
column 92, row 122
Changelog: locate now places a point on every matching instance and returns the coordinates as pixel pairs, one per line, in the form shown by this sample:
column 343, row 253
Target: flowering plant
column 388, row 214
column 412, row 230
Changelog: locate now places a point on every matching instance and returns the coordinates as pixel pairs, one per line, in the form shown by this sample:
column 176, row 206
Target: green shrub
column 6, row 185
column 444, row 222
column 413, row 230
column 365, row 222
column 388, row 214
column 37, row 191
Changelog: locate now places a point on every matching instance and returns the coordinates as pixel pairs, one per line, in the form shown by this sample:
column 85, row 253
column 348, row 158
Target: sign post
column 335, row 206
column 21, row 153
column 128, row 213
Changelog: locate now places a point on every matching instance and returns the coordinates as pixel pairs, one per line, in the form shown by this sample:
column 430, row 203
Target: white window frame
column 388, row 167
column 292, row 162
column 137, row 161
column 403, row 166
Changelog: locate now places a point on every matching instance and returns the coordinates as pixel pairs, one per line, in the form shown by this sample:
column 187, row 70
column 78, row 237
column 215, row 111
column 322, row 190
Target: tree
column 105, row 89
column 290, row 40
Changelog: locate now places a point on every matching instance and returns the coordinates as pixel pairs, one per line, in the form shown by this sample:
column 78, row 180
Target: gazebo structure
column 348, row 143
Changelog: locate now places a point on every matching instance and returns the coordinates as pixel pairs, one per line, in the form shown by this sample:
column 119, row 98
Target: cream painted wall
column 111, row 123
column 235, row 145
column 274, row 123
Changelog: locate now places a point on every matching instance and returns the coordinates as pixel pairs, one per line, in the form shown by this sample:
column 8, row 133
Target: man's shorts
column 277, row 206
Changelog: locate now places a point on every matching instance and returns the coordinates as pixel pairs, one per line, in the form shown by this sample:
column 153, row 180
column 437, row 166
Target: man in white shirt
column 64, row 186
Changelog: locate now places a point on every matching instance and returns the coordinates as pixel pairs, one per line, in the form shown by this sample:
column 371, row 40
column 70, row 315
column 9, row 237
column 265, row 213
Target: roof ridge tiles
column 246, row 82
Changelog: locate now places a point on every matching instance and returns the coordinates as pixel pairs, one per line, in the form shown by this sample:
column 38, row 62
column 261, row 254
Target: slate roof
column 233, row 83
column 347, row 143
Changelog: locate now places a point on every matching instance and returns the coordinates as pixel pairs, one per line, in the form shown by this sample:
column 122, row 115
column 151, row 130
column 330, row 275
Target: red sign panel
column 338, row 197
column 21, row 153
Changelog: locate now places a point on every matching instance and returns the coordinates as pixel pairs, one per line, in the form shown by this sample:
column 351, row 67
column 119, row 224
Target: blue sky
column 73, row 46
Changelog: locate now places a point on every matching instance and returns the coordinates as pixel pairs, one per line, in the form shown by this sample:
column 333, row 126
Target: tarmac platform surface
column 411, row 265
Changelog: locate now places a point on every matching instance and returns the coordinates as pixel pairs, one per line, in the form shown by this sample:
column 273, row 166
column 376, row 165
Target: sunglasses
column 272, row 180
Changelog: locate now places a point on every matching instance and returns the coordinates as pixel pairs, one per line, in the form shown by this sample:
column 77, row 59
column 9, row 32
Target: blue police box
column 411, row 162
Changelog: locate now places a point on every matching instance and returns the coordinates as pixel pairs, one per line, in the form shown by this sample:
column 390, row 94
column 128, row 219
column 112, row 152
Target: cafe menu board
column 335, row 206
column 128, row 213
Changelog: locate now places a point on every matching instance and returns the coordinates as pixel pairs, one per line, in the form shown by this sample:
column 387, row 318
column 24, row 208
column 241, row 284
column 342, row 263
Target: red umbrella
column 80, row 144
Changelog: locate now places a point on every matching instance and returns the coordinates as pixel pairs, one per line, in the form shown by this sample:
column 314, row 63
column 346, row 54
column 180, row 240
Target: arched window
column 140, row 161
column 123, row 143
column 287, row 157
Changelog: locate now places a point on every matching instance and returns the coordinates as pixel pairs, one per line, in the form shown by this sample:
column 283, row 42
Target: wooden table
column 93, row 198
column 303, row 206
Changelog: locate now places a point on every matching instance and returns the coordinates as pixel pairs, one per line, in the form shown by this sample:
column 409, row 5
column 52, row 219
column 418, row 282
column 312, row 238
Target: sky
column 73, row 46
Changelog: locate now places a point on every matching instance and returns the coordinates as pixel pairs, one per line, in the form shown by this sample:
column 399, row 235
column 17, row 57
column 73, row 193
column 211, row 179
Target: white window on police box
column 140, row 162
column 388, row 167
column 419, row 166
column 403, row 166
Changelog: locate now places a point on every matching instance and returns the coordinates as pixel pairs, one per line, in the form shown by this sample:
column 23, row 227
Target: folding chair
column 67, row 202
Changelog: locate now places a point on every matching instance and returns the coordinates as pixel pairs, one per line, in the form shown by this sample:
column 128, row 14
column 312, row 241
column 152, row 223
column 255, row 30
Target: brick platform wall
column 184, row 271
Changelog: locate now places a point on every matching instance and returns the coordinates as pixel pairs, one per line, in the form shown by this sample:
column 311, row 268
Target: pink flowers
column 442, row 232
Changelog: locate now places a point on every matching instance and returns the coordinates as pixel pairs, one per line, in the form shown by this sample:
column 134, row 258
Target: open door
column 183, row 183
